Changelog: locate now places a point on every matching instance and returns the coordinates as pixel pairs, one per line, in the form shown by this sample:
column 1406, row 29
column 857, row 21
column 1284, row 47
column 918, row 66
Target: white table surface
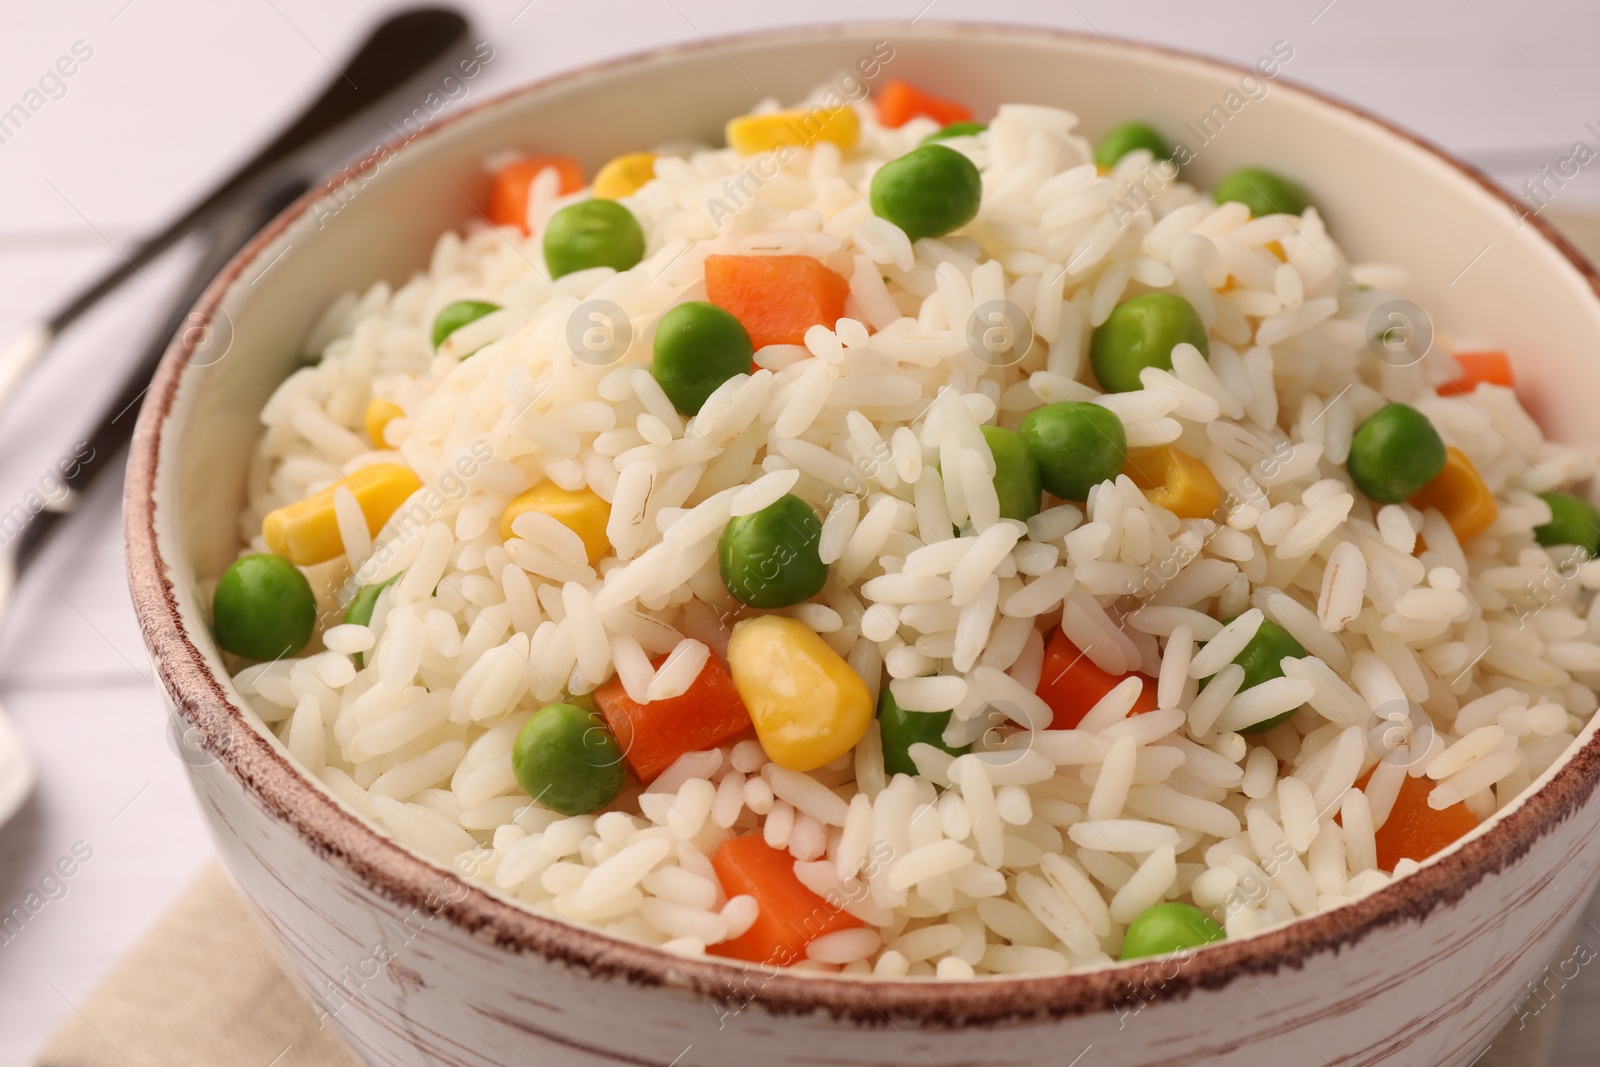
column 176, row 90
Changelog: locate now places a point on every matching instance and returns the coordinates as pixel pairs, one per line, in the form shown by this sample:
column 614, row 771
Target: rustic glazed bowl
column 415, row 966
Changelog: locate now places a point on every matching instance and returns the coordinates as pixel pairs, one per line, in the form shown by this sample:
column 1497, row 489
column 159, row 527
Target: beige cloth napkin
column 201, row 990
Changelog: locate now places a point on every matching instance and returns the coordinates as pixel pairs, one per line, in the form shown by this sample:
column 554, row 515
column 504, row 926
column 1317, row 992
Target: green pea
column 1126, row 138
column 1169, row 927
column 1395, row 453
column 955, row 129
column 1262, row 659
column 1263, row 192
column 592, row 233
column 900, row 729
column 1078, row 446
column 1016, row 474
column 360, row 610
column 770, row 558
column 1141, row 333
column 929, row 191
column 454, row 316
column 1573, row 521
column 567, row 760
column 698, row 346
column 263, row 608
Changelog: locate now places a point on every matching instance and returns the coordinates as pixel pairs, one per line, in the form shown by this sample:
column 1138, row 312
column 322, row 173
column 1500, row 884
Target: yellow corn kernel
column 380, row 413
column 624, row 175
column 797, row 128
column 1175, row 480
column 581, row 511
column 1459, row 494
column 807, row 705
column 307, row 532
column 1277, row 249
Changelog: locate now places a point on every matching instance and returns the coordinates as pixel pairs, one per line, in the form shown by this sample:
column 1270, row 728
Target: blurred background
column 167, row 96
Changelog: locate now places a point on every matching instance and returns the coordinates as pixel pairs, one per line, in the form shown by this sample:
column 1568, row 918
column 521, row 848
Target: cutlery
column 397, row 49
column 226, row 218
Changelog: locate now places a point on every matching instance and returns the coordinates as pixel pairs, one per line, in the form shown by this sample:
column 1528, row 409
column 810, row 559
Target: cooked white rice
column 1033, row 852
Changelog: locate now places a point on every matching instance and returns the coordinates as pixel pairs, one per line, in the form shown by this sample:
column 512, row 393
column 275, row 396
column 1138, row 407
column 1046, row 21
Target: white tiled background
column 175, row 91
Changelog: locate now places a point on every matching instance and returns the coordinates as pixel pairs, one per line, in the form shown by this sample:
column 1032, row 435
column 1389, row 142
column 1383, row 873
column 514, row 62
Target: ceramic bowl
column 414, row 966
